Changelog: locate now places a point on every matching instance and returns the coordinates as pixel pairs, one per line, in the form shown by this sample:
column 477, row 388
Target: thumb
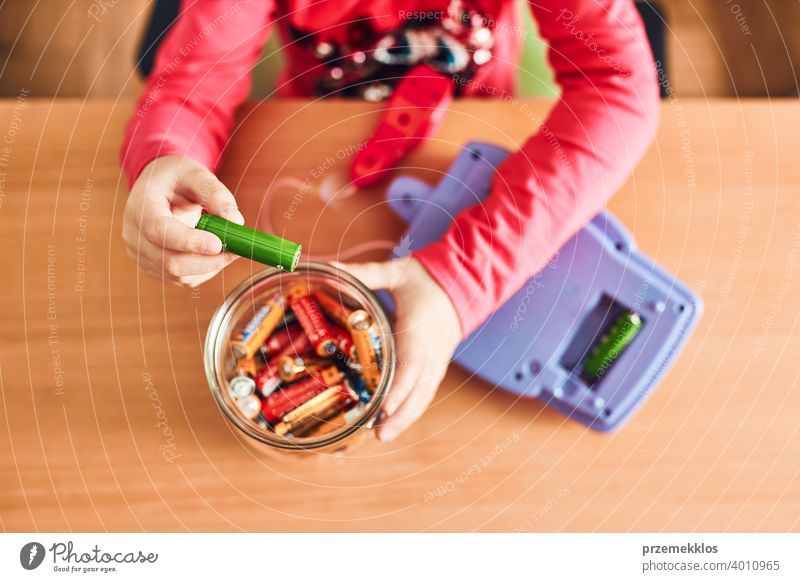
column 385, row 275
column 200, row 185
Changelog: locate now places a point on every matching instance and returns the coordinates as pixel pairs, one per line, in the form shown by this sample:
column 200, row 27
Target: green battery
column 619, row 336
column 252, row 244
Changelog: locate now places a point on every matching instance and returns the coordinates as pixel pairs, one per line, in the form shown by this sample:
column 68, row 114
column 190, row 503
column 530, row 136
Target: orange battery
column 363, row 331
column 341, row 420
column 311, row 319
column 246, row 367
column 329, row 426
column 330, row 376
column 293, row 367
column 320, row 408
column 258, row 329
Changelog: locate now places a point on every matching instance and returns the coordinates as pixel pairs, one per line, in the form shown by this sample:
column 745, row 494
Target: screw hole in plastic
column 475, row 155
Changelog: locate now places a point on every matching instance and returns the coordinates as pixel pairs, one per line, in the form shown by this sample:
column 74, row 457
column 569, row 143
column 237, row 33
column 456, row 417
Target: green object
column 610, row 347
column 534, row 75
column 252, row 244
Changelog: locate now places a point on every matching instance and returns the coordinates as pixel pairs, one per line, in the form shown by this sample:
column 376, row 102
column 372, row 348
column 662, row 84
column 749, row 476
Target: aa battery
column 268, row 380
column 252, row 244
column 611, row 345
column 250, row 407
column 252, row 336
column 362, row 329
column 281, row 402
column 344, row 342
column 318, row 409
column 242, row 387
column 334, row 309
column 311, row 319
column 293, row 367
column 291, row 337
column 246, row 367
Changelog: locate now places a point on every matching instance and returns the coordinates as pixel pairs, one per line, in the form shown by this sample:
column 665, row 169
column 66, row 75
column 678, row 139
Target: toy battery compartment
column 591, row 334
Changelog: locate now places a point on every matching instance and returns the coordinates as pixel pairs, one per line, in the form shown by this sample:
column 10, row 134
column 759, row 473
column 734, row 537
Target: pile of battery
column 306, row 364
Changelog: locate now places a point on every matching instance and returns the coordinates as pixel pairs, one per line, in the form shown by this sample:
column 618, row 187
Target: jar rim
column 215, row 335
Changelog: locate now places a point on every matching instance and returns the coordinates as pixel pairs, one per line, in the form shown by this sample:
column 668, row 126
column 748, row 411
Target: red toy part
column 415, row 111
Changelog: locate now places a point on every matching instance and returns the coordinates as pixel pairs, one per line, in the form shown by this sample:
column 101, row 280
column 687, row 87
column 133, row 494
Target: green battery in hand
column 252, row 244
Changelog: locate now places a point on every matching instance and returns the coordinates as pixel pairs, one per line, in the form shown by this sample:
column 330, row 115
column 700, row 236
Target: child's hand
column 164, row 205
column 427, row 333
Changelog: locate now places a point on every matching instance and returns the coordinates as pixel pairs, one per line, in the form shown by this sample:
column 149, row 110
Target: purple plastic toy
column 539, row 342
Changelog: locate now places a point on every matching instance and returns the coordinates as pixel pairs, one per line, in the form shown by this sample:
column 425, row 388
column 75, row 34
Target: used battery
column 291, row 336
column 334, row 309
column 311, row 319
column 268, row 380
column 252, row 336
column 279, row 403
column 317, row 410
column 250, row 407
column 242, row 387
column 362, row 328
column 293, row 367
column 344, row 342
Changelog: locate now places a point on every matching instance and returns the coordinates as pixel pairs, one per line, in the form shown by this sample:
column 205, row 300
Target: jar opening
column 246, row 303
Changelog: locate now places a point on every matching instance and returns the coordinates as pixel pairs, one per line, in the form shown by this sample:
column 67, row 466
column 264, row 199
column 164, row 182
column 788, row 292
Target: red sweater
column 544, row 193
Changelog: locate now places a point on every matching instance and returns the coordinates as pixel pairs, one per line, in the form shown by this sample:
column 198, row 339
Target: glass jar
column 238, row 308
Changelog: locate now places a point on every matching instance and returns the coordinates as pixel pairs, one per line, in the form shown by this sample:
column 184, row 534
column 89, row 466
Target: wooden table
column 97, row 361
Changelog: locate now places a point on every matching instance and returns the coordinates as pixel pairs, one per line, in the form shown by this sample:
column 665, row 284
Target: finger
column 172, row 265
column 410, row 410
column 404, row 382
column 200, row 185
column 157, row 271
column 170, row 233
column 195, row 281
column 385, row 275
column 189, row 265
column 407, row 374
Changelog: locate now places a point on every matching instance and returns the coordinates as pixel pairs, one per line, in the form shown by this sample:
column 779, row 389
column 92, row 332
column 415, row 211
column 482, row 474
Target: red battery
column 334, row 309
column 344, row 342
column 267, row 380
column 311, row 319
column 279, row 403
column 321, row 407
column 290, row 336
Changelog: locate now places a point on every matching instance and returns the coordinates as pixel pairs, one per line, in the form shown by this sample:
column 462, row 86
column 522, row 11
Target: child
column 541, row 195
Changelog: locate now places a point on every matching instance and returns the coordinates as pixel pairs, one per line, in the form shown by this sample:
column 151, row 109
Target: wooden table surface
column 88, row 444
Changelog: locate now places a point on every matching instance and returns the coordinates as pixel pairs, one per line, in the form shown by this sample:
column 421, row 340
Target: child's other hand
column 427, row 332
column 164, row 205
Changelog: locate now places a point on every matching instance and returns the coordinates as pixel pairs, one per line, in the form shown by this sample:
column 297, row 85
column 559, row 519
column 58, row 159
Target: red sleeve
column 201, row 75
column 563, row 175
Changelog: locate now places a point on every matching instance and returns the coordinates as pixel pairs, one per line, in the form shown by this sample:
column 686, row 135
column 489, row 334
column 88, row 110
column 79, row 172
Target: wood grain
column 715, row 448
